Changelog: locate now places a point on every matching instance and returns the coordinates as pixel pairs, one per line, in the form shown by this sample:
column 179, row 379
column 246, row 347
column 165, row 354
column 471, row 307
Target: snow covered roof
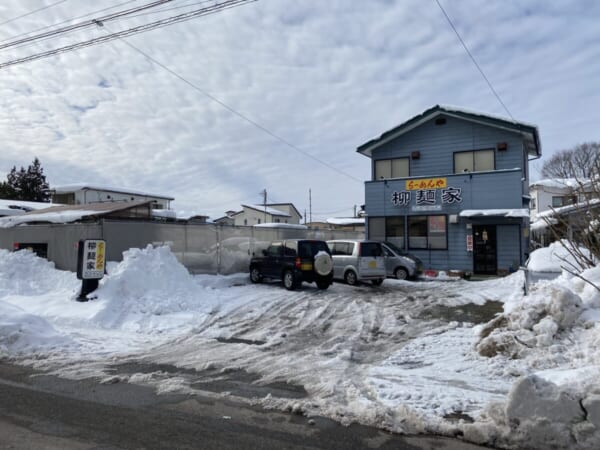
column 69, row 213
column 346, row 220
column 270, row 211
column 280, row 225
column 18, row 207
column 559, row 183
column 494, row 212
column 527, row 130
column 69, row 188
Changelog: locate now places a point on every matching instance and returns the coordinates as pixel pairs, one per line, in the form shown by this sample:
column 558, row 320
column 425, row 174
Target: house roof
column 270, row 211
column 18, row 207
column 70, row 213
column 527, row 130
column 346, row 221
column 69, row 188
column 286, row 204
column 559, row 183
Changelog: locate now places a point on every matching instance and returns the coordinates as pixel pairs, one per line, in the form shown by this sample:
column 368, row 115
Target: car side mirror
column 264, row 252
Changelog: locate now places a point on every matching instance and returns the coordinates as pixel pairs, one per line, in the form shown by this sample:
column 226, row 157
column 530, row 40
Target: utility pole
column 310, row 204
column 264, row 194
column 354, row 210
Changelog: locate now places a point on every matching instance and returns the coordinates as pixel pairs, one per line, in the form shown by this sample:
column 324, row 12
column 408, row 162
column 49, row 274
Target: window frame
column 403, row 158
column 428, row 232
column 473, row 160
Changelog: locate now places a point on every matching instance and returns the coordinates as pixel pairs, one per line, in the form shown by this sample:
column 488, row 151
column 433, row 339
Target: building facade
column 451, row 186
column 83, row 194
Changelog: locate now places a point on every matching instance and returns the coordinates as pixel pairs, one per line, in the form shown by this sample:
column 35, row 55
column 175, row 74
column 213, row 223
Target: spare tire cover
column 323, row 263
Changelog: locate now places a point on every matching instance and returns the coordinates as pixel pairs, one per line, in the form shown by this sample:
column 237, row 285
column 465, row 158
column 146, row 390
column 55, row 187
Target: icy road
column 400, row 357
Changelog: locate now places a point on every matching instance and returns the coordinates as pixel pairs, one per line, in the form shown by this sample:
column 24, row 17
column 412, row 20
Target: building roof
column 70, row 213
column 286, row 204
column 346, row 221
column 270, row 211
column 18, row 207
column 527, row 130
column 69, row 188
column 521, row 212
column 559, row 183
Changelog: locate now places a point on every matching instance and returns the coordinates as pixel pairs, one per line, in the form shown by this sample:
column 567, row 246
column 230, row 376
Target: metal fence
column 202, row 248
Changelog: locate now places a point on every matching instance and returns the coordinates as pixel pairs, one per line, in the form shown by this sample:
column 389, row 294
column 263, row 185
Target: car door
column 371, row 260
column 273, row 260
column 391, row 260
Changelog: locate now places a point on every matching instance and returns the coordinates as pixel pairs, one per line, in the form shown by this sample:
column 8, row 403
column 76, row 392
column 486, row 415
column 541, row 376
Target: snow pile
column 26, row 333
column 555, row 331
column 555, row 257
column 149, row 291
column 23, row 273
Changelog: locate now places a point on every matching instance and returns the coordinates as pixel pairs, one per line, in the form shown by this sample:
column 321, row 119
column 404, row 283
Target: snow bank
column 26, row 333
column 23, row 273
column 555, row 257
column 555, row 331
column 150, row 291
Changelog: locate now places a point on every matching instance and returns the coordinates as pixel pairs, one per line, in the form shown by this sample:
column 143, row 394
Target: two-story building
column 451, row 186
column 83, row 194
column 260, row 214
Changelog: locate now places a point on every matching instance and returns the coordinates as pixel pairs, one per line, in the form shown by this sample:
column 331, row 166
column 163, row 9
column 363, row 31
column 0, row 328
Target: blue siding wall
column 438, row 143
column 503, row 188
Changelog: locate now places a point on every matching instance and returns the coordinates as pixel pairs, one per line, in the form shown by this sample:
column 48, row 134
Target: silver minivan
column 356, row 260
column 399, row 264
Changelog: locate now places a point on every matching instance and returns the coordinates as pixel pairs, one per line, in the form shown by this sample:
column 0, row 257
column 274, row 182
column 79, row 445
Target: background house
column 259, row 214
column 83, row 194
column 451, row 186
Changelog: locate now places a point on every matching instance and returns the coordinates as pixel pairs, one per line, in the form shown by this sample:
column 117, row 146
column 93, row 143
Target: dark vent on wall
column 440, row 121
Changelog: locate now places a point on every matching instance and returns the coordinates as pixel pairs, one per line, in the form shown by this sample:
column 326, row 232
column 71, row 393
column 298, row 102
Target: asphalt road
column 38, row 411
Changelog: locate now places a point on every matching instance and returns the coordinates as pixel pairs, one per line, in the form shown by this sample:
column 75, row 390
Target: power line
column 66, row 21
column 32, row 12
column 128, row 32
column 473, row 59
column 81, row 25
column 239, row 114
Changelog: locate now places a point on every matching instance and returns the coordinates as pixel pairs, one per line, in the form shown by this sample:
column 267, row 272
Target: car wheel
column 401, row 273
column 377, row 282
column 350, row 278
column 289, row 280
column 323, row 284
column 255, row 276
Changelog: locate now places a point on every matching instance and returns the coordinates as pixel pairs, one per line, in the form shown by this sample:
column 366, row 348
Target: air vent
column 440, row 121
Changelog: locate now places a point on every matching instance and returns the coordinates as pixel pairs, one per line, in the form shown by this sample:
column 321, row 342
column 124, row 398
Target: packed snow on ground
column 556, row 257
column 407, row 356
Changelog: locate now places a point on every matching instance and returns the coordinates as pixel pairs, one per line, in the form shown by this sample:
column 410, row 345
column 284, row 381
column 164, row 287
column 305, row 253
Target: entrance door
column 484, row 249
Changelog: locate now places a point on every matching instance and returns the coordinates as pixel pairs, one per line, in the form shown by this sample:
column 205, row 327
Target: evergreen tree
column 29, row 185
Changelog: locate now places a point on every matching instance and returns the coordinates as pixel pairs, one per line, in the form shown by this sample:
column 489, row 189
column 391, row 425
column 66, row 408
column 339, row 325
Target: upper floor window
column 557, row 201
column 391, row 168
column 475, row 161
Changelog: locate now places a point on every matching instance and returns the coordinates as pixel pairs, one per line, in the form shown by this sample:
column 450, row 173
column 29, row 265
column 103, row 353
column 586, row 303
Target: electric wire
column 81, row 25
column 11, row 38
column 128, row 32
column 32, row 12
column 473, row 59
column 239, row 114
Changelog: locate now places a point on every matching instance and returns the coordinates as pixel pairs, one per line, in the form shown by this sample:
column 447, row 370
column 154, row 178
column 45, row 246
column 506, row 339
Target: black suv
column 294, row 261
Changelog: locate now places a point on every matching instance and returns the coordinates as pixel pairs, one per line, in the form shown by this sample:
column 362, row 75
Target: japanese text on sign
column 425, row 197
column 425, row 183
column 92, row 255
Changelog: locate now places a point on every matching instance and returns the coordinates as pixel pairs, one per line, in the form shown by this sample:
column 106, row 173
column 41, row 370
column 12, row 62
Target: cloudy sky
column 277, row 94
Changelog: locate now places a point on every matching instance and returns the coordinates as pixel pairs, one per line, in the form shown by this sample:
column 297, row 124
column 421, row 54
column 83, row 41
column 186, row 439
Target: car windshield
column 311, row 248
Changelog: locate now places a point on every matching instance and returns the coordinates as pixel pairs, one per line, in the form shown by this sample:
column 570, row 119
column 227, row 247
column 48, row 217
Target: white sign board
column 92, row 255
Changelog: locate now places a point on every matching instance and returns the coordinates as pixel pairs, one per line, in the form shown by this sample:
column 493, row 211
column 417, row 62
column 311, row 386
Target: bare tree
column 581, row 162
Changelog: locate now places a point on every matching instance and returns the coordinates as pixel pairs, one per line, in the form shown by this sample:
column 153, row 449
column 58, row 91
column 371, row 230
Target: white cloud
column 325, row 76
